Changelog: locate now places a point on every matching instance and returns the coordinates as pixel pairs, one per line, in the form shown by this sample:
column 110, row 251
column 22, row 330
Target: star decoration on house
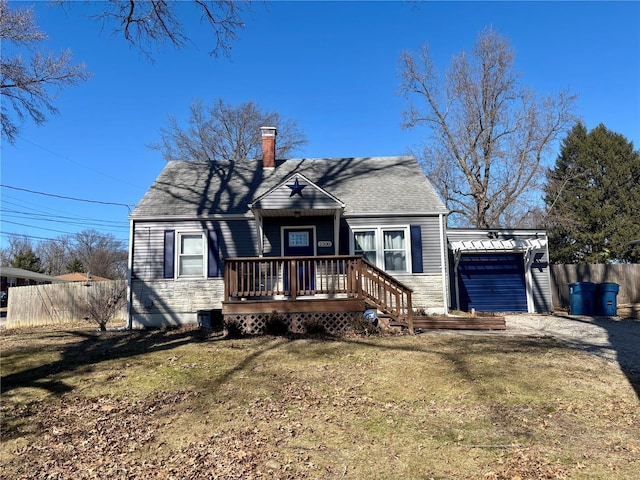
column 296, row 188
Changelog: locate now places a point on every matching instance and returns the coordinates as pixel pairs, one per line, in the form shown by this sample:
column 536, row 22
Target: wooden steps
column 458, row 323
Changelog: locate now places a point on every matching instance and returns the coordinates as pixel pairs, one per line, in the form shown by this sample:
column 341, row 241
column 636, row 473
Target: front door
column 300, row 242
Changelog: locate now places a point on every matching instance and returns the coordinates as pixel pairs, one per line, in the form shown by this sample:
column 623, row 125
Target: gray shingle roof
column 369, row 185
column 12, row 272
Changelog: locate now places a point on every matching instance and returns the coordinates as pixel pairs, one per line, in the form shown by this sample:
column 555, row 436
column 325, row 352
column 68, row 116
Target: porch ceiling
column 298, row 212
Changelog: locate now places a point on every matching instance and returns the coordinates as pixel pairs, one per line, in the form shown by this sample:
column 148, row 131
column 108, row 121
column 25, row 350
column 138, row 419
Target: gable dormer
column 296, row 196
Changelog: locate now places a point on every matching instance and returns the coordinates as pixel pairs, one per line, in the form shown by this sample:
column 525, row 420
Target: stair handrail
column 401, row 309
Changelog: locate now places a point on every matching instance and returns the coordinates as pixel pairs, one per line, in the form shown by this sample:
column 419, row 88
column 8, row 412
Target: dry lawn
column 181, row 404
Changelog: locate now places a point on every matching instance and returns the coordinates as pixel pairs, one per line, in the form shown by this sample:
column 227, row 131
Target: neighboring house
column 17, row 277
column 81, row 277
column 499, row 270
column 251, row 237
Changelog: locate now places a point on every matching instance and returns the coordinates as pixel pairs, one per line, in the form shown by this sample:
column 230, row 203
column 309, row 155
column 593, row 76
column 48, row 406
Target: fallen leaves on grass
column 107, row 437
column 527, row 464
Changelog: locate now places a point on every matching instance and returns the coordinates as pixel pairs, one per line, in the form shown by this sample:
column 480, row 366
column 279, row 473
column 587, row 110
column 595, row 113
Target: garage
column 499, row 271
column 492, row 283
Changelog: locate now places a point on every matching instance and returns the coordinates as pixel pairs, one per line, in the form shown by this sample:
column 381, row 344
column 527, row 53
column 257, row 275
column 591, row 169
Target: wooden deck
column 320, row 284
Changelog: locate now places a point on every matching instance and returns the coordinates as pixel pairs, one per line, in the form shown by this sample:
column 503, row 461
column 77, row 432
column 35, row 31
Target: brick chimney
column 268, row 146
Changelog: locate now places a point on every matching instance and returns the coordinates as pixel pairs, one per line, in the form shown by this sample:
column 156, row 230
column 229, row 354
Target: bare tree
column 224, row 132
column 104, row 300
column 17, row 245
column 101, row 254
column 488, row 134
column 55, row 255
column 154, row 23
column 31, row 77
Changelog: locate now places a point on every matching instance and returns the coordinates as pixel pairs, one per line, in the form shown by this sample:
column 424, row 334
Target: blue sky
column 331, row 66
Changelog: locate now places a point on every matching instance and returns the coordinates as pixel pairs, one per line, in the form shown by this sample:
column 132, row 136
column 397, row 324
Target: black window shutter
column 169, row 253
column 416, row 249
column 214, row 255
column 344, row 238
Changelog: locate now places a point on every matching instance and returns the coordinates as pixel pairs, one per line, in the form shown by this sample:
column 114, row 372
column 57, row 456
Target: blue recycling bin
column 582, row 298
column 606, row 302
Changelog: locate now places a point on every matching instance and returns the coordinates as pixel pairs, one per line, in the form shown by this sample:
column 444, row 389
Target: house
column 82, row 277
column 312, row 239
column 499, row 270
column 18, row 277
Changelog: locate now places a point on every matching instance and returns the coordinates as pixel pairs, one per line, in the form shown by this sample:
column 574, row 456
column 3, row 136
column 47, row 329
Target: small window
column 191, row 255
column 298, row 239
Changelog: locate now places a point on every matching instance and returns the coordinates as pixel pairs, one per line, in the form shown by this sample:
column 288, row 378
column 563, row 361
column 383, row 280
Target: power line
column 67, row 198
column 39, row 228
column 76, row 162
column 52, row 239
column 22, row 203
column 96, row 225
column 60, row 218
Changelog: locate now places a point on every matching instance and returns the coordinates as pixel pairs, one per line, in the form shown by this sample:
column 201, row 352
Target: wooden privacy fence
column 57, row 303
column 626, row 275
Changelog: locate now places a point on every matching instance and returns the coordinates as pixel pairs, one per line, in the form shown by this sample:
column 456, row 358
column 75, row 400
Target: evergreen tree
column 75, row 265
column 26, row 259
column 593, row 198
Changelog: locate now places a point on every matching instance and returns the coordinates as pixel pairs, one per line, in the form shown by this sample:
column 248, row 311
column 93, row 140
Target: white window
column 395, row 250
column 191, row 255
column 365, row 245
column 385, row 247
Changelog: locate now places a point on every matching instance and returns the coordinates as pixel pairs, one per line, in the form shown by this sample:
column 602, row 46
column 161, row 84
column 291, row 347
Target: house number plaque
column 325, row 243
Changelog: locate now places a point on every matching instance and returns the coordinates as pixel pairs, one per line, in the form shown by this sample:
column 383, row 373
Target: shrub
column 363, row 326
column 276, row 325
column 314, row 326
column 103, row 302
column 233, row 328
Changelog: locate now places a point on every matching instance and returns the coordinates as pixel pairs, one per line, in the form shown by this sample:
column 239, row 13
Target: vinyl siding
column 312, row 198
column 541, row 282
column 156, row 301
column 273, row 238
column 237, row 239
column 431, row 248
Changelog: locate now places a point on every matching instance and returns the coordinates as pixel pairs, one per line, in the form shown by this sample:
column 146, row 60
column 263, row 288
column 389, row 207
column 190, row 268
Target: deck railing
column 348, row 276
column 388, row 294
